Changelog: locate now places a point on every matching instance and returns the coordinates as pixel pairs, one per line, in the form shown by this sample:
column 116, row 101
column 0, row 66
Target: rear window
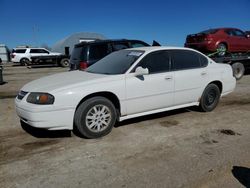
column 79, row 53
column 209, row 31
column 19, row 51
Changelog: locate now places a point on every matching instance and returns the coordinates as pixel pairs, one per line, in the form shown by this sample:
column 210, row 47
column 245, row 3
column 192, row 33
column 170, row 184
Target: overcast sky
column 45, row 22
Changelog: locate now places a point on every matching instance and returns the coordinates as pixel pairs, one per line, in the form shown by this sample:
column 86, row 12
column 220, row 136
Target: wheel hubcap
column 238, row 70
column 98, row 118
column 222, row 50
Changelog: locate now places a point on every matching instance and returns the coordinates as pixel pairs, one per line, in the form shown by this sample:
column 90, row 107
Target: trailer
column 60, row 60
column 239, row 62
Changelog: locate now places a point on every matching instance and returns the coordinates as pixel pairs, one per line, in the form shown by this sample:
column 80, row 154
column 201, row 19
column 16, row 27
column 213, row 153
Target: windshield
column 115, row 63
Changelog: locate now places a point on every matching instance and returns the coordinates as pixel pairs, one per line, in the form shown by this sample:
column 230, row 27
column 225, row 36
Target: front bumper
column 51, row 118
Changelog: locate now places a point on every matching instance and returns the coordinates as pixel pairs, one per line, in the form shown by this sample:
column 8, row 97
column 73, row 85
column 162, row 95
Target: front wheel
column 95, row 117
column 210, row 98
column 64, row 62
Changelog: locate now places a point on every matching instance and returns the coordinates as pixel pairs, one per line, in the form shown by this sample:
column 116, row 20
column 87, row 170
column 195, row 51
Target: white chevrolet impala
column 125, row 84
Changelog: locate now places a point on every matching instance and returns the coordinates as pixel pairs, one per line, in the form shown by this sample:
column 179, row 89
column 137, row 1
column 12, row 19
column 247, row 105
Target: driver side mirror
column 139, row 71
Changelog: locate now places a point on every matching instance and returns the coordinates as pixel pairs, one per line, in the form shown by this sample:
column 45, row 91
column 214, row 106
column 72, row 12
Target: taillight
column 83, row 65
column 12, row 55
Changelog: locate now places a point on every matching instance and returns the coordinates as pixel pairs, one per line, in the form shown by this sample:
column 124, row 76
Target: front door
column 152, row 91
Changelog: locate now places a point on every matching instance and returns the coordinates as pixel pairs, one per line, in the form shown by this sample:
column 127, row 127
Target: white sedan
column 125, row 84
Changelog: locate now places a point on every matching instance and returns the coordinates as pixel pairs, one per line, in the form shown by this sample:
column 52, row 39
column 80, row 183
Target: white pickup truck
column 26, row 56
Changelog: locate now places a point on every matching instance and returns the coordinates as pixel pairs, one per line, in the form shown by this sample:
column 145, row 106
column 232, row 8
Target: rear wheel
column 221, row 49
column 210, row 98
column 95, row 117
column 25, row 61
column 238, row 70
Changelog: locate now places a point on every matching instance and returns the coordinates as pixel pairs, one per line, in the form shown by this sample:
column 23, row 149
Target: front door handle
column 203, row 73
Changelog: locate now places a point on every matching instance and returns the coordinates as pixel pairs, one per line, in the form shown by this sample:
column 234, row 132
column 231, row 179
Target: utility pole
column 35, row 30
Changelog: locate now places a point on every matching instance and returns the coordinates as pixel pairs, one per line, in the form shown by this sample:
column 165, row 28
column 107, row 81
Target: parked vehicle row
column 125, row 84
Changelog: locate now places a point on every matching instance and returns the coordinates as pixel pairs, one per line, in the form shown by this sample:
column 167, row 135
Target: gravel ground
column 181, row 148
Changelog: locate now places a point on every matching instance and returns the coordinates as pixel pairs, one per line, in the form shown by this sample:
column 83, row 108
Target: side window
column 98, row 51
column 156, row 62
column 135, row 44
column 120, row 46
column 239, row 33
column 229, row 32
column 38, row 51
column 184, row 59
column 33, row 51
column 43, row 51
column 203, row 60
column 19, row 51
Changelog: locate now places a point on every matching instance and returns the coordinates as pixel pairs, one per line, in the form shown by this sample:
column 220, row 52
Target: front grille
column 21, row 94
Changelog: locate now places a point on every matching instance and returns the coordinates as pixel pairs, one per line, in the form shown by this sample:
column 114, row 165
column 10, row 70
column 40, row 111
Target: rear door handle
column 168, row 78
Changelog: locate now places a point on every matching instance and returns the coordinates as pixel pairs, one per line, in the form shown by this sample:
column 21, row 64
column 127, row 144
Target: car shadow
column 242, row 174
column 247, row 72
column 35, row 66
column 42, row 133
column 155, row 116
column 17, row 65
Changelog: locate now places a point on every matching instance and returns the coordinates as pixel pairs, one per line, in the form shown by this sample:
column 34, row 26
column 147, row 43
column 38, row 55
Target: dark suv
column 87, row 53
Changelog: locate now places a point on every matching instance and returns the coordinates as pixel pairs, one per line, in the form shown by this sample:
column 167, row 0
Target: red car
column 223, row 39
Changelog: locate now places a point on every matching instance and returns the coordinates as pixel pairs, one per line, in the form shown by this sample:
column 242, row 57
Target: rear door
column 242, row 40
column 38, row 52
column 190, row 75
column 232, row 40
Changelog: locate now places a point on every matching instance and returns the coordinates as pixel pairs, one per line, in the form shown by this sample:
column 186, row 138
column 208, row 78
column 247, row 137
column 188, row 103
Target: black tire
column 87, row 108
column 210, row 98
column 238, row 70
column 222, row 47
column 64, row 62
column 25, row 62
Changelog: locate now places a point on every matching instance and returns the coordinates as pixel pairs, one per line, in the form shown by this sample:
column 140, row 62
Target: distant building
column 4, row 53
column 70, row 41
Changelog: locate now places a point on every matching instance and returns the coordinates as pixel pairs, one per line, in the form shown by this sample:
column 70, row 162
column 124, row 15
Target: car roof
column 156, row 48
column 106, row 41
column 225, row 28
column 27, row 48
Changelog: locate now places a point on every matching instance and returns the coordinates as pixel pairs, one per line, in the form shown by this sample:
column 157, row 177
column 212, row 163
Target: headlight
column 40, row 98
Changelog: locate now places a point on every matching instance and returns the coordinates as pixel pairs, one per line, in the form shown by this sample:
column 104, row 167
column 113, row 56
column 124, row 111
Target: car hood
column 62, row 81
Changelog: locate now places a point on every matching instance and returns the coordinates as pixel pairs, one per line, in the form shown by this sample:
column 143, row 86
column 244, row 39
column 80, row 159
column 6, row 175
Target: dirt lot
column 181, row 148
